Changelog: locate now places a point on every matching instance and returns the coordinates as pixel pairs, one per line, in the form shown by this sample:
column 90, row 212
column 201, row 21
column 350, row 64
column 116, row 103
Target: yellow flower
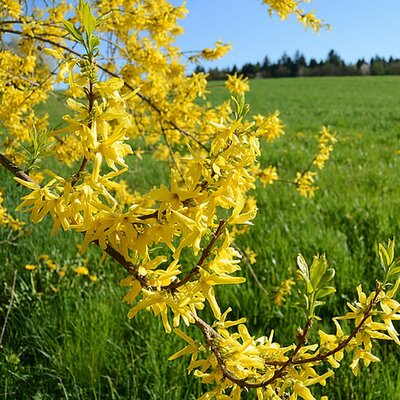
column 251, row 255
column 81, row 270
column 219, row 51
column 268, row 175
column 51, row 264
column 30, row 267
column 237, row 84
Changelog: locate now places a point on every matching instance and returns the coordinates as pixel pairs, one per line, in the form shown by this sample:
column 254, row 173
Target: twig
column 141, row 95
column 90, row 96
column 10, row 304
column 204, row 255
column 16, row 171
column 342, row 345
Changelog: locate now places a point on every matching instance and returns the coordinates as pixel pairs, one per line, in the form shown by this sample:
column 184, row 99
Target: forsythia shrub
column 147, row 98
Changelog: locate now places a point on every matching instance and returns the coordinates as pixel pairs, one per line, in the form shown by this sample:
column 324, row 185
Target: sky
column 360, row 29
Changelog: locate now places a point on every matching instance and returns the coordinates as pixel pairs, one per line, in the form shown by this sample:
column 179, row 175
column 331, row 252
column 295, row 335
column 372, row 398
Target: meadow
column 69, row 337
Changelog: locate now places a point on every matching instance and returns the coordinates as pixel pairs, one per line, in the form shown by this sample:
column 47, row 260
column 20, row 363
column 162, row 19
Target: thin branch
column 90, row 96
column 15, row 170
column 342, row 345
column 141, row 95
column 210, row 335
column 204, row 255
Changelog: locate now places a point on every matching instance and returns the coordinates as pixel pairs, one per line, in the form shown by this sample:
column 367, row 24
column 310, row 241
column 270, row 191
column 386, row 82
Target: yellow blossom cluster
column 269, row 127
column 11, row 7
column 286, row 8
column 218, row 51
column 304, row 180
column 7, row 220
column 326, row 141
column 284, row 289
column 237, row 84
column 213, row 154
column 305, row 183
column 25, row 78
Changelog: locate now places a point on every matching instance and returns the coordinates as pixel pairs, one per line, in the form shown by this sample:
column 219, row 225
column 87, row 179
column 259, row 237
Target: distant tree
column 249, row 70
column 334, row 59
column 199, row 69
column 378, row 66
column 313, row 63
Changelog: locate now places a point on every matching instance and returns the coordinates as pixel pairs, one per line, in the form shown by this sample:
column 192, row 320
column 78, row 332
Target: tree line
column 297, row 66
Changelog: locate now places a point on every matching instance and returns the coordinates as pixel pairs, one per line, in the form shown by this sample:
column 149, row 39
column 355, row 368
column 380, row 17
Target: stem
column 204, row 255
column 342, row 345
column 10, row 304
column 90, row 96
column 16, row 171
column 107, row 71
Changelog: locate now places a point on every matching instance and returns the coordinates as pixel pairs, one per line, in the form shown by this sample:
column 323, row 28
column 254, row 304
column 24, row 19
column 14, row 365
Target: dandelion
column 30, row 267
column 81, row 271
column 51, row 264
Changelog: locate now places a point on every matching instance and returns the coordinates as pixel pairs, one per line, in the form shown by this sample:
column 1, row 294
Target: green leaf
column 73, row 31
column 384, row 256
column 88, row 19
column 94, row 43
column 395, row 267
column 303, row 267
column 391, row 250
column 317, row 270
column 325, row 291
column 103, row 18
column 326, row 277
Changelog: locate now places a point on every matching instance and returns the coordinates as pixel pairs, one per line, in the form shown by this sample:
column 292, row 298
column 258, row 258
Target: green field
column 77, row 343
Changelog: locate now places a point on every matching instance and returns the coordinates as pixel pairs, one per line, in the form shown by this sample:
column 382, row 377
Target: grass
column 77, row 343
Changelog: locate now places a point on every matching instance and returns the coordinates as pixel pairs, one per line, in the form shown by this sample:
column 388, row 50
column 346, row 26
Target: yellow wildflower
column 237, row 84
column 81, row 270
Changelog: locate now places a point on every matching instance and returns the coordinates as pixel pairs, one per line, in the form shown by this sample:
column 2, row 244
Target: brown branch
column 91, row 97
column 342, row 345
column 141, row 95
column 15, row 170
column 211, row 335
column 204, row 255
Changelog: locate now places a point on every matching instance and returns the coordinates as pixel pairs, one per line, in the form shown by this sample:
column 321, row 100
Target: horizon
column 360, row 30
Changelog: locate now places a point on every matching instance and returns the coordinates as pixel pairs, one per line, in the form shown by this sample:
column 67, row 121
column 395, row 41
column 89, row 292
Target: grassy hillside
column 77, row 343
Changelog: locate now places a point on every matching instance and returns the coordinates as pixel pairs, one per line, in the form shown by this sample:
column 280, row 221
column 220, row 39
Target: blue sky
column 360, row 29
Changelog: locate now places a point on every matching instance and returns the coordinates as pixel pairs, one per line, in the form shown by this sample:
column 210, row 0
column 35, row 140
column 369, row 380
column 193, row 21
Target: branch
column 342, row 345
column 210, row 335
column 128, row 265
column 204, row 255
column 142, row 96
column 16, row 171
